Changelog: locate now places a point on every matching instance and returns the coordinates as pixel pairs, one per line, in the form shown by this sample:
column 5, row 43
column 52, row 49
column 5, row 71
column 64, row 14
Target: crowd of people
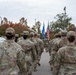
column 21, row 55
column 62, row 51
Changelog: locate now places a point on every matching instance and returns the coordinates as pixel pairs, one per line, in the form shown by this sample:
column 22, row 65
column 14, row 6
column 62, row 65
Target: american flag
column 48, row 32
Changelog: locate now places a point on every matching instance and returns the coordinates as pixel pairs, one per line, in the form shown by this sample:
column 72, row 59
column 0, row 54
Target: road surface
column 44, row 69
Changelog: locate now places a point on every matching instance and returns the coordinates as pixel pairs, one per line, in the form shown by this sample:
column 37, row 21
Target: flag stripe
column 48, row 32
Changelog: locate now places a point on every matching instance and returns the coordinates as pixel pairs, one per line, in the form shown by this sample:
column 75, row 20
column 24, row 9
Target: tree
column 36, row 27
column 17, row 26
column 62, row 23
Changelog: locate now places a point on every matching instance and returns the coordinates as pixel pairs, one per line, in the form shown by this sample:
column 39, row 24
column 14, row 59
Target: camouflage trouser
column 39, row 55
column 36, row 61
column 35, row 64
column 7, row 72
column 22, row 73
column 30, row 67
column 67, row 74
column 52, row 59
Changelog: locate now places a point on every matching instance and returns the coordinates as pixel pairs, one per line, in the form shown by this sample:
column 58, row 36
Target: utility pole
column 35, row 21
column 64, row 17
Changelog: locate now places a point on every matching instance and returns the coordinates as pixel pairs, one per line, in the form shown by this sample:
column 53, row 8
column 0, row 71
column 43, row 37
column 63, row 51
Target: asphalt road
column 44, row 69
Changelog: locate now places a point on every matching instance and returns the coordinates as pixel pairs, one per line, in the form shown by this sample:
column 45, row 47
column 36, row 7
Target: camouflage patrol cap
column 10, row 30
column 25, row 33
column 31, row 33
column 71, row 33
column 56, row 35
column 63, row 33
column 16, row 35
column 38, row 34
column 59, row 33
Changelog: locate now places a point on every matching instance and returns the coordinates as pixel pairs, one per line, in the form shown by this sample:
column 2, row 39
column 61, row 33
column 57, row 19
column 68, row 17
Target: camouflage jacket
column 65, row 61
column 35, row 44
column 63, row 42
column 55, row 45
column 41, row 44
column 28, row 47
column 11, row 58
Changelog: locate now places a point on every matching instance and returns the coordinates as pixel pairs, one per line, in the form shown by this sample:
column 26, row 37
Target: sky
column 41, row 10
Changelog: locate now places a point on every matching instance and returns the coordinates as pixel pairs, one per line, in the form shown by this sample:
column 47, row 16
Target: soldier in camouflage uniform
column 36, row 49
column 55, row 45
column 16, row 37
column 65, row 61
column 63, row 41
column 21, row 37
column 28, row 47
column 11, row 56
column 40, row 46
column 51, row 44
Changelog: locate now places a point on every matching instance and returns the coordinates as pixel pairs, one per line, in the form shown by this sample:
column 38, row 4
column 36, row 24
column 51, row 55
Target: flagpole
column 65, row 9
column 35, row 21
column 64, row 17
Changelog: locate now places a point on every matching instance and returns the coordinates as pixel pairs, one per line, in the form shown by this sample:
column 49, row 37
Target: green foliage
column 37, row 26
column 62, row 22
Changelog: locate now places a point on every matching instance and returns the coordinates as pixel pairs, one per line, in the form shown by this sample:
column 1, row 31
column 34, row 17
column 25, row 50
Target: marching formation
column 21, row 55
column 62, row 50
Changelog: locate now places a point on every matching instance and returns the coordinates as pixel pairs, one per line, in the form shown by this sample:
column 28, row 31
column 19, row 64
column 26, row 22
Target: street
column 44, row 69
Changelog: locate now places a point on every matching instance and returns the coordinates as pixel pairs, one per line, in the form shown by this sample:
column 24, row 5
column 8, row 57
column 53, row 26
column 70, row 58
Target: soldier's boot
column 35, row 69
column 39, row 64
column 30, row 74
column 51, row 68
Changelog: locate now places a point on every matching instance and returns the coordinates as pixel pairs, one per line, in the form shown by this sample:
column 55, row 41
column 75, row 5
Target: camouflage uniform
column 49, row 46
column 65, row 61
column 16, row 37
column 46, row 44
column 36, row 49
column 63, row 41
column 55, row 45
column 28, row 47
column 40, row 47
column 11, row 57
column 20, row 38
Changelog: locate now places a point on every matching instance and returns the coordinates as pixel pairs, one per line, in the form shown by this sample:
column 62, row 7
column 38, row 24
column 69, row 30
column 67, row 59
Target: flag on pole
column 48, row 32
column 43, row 31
